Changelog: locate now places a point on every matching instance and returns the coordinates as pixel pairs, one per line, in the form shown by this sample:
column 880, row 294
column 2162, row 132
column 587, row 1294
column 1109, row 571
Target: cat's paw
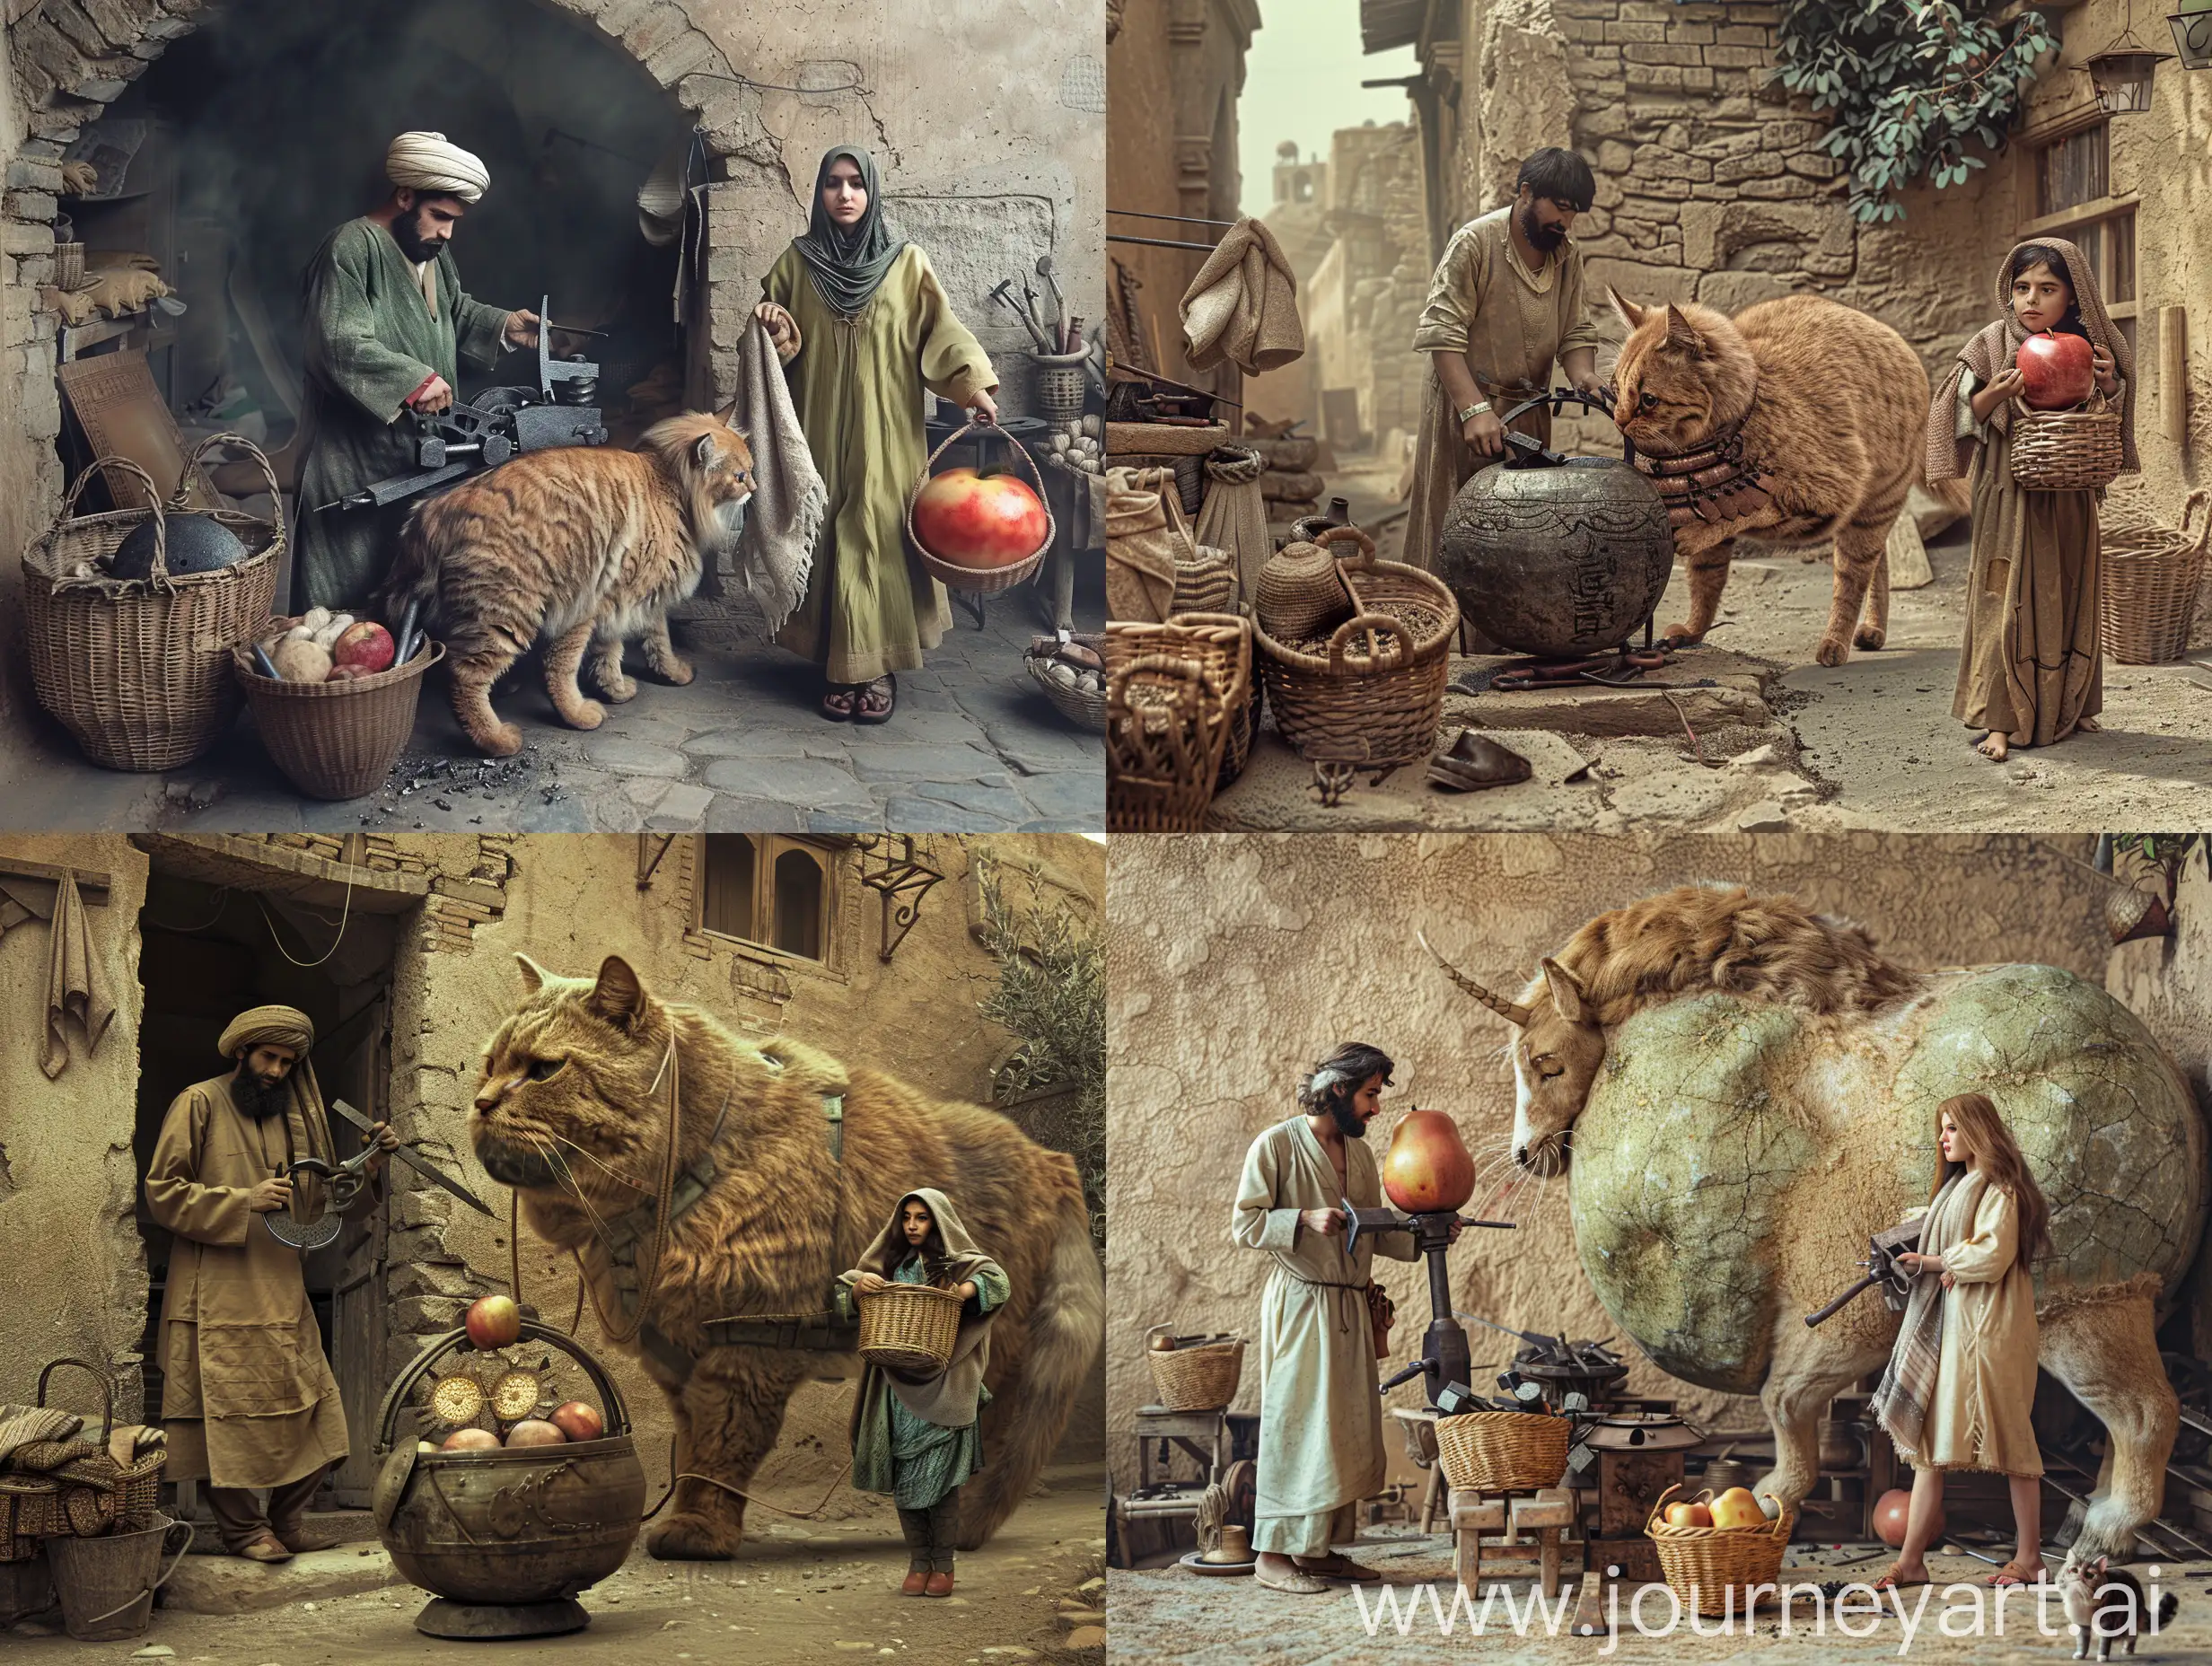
column 503, row 740
column 1832, row 651
column 584, row 714
column 1682, row 637
column 618, row 688
column 693, row 1538
column 1870, row 638
column 675, row 669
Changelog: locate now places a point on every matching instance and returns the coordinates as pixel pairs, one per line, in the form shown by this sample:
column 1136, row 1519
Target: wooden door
column 357, row 1070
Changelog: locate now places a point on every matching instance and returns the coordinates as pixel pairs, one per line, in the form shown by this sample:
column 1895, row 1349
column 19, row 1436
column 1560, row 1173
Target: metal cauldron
column 506, row 1539
column 1561, row 557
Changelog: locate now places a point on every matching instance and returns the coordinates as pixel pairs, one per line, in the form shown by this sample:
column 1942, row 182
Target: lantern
column 2192, row 37
column 2121, row 73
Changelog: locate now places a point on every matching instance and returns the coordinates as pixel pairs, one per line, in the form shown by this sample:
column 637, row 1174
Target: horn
column 1506, row 1010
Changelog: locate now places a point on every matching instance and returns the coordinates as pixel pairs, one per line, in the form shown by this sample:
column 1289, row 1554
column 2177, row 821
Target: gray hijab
column 949, row 1398
column 848, row 262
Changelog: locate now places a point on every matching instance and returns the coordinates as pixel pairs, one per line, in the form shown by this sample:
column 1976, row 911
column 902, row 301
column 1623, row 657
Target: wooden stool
column 1419, row 1424
column 1550, row 1509
column 1547, row 1513
column 1472, row 1515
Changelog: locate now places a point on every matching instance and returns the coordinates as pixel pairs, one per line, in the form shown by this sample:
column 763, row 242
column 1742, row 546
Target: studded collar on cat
column 1714, row 482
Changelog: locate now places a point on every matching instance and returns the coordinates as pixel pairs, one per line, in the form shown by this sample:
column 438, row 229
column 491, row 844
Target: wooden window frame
column 766, row 848
column 2084, row 216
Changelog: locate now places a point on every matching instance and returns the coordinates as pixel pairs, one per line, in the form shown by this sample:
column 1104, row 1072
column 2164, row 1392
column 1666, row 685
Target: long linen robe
column 1985, row 1385
column 371, row 341
column 2032, row 663
column 247, row 1397
column 1321, row 1417
column 871, row 606
column 1511, row 323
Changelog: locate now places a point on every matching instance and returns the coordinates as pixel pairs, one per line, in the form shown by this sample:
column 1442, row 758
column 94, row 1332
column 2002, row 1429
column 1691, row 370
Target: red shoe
column 916, row 1579
column 940, row 1585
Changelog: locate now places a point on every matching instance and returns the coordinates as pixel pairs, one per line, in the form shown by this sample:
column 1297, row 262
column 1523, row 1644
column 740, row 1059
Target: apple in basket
column 978, row 521
column 536, row 1432
column 2056, row 371
column 1737, row 1508
column 470, row 1441
column 365, row 643
column 1688, row 1516
column 579, row 1421
column 493, row 1321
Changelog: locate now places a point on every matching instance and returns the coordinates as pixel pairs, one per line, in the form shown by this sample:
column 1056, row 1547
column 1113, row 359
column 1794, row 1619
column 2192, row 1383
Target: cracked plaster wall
column 1236, row 961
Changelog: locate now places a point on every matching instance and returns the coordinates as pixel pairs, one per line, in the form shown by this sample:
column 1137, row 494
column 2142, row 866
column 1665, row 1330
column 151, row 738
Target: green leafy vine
column 1909, row 85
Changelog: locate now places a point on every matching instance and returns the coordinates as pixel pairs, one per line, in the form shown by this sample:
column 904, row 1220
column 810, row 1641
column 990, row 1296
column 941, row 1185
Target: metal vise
column 498, row 423
column 1444, row 1358
column 1881, row 1269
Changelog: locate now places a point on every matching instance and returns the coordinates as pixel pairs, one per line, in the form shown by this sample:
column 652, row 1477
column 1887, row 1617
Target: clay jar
column 1427, row 1169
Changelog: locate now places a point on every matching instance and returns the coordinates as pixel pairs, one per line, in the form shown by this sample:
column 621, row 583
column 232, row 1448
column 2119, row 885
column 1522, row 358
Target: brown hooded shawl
column 1991, row 353
column 947, row 1399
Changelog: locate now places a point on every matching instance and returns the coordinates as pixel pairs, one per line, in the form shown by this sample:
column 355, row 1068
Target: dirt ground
column 1170, row 1614
column 800, row 1592
column 1868, row 744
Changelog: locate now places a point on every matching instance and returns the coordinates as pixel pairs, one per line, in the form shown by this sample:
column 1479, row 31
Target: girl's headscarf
column 1991, row 353
column 848, row 262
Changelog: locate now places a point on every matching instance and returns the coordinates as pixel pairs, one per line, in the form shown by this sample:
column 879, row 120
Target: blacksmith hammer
column 1004, row 295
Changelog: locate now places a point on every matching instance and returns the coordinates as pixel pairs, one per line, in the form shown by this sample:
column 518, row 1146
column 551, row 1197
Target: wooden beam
column 2173, row 373
column 88, row 880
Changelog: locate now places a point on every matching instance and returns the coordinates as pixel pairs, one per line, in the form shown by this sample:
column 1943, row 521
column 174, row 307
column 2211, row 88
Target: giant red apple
column 2056, row 370
column 978, row 521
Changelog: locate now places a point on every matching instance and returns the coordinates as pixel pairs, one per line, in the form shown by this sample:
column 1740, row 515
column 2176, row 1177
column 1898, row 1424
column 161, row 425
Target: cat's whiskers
column 568, row 1177
column 597, row 1162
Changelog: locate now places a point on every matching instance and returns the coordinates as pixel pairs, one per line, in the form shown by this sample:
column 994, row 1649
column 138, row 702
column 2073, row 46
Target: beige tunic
column 1321, row 1417
column 1986, row 1383
column 1511, row 323
column 246, row 1397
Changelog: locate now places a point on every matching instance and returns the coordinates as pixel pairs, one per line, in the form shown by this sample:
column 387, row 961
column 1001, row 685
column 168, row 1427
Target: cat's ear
column 534, row 976
column 620, row 995
column 706, row 453
column 1630, row 314
column 727, row 415
column 1682, row 333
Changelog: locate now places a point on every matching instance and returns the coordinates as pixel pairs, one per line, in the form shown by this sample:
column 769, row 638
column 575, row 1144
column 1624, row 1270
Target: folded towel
column 25, row 1425
column 1244, row 304
column 776, row 551
column 74, row 985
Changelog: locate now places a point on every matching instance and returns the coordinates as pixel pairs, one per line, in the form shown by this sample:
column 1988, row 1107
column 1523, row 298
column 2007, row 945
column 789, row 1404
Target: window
column 2074, row 200
column 768, row 891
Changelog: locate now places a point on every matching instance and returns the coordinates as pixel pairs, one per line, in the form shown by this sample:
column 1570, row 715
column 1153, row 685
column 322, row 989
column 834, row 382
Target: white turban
column 425, row 162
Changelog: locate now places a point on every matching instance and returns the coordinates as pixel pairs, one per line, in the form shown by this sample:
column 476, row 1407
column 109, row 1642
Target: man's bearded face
column 1351, row 1114
column 1546, row 223
column 261, row 1088
column 423, row 230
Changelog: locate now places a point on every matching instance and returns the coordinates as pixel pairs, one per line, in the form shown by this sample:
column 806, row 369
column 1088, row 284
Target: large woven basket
column 981, row 581
column 139, row 674
column 1375, row 690
column 910, row 1328
column 334, row 739
column 1078, row 705
column 138, row 1483
column 1199, row 1376
column 1713, row 1569
column 1503, row 1451
column 1221, row 641
column 2148, row 583
column 1300, row 590
column 1168, row 717
column 2076, row 451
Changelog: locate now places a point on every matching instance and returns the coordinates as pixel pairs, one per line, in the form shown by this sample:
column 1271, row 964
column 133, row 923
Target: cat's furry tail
column 1954, row 494
column 1067, row 1331
column 414, row 576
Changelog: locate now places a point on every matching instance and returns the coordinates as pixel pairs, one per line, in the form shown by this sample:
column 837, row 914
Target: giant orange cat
column 1818, row 410
column 580, row 545
column 573, row 1110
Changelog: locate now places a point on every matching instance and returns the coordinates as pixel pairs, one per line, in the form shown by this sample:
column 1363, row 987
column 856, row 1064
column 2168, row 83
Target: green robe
column 869, row 606
column 370, row 343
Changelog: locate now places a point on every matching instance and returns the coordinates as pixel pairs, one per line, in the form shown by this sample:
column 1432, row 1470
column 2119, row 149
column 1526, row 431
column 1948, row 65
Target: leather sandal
column 1889, row 1580
column 2014, row 1573
column 1475, row 761
column 1336, row 1566
column 884, row 689
column 306, row 1541
column 838, row 701
column 267, row 1548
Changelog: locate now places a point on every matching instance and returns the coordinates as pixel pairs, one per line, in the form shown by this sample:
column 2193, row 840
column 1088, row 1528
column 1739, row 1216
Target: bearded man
column 1320, row 1415
column 248, row 1400
column 1506, row 301
column 387, row 321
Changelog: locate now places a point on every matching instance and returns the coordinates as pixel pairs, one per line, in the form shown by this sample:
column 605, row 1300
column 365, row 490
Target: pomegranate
column 1427, row 1169
column 535, row 1431
column 579, row 1421
column 2056, row 371
column 470, row 1441
column 978, row 521
column 493, row 1321
column 365, row 643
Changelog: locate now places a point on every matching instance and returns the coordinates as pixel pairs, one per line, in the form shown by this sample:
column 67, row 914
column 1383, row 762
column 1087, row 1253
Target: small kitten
column 2103, row 1602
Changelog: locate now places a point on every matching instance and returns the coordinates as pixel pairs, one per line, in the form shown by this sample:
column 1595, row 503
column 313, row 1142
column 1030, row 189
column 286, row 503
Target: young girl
column 915, row 1437
column 2031, row 669
column 862, row 326
column 1961, row 1377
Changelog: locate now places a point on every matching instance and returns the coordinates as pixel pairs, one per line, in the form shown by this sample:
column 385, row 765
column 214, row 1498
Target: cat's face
column 1664, row 394
column 566, row 1101
column 711, row 466
column 2078, row 1581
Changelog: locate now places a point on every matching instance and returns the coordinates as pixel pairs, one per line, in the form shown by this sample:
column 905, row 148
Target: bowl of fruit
column 334, row 694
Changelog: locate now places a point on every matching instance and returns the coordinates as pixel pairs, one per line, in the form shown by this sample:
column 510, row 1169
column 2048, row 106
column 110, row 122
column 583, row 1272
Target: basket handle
column 1338, row 534
column 610, row 1396
column 98, row 467
column 1659, row 1506
column 107, row 1389
column 1386, row 656
column 2199, row 499
column 241, row 442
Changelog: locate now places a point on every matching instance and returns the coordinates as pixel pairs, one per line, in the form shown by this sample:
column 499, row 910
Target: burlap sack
column 1147, row 541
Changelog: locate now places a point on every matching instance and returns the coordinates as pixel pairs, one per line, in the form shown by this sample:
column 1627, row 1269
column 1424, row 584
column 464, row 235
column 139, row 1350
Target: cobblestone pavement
column 974, row 748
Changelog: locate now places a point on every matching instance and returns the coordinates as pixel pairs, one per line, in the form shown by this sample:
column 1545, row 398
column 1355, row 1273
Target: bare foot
column 2087, row 726
column 1993, row 748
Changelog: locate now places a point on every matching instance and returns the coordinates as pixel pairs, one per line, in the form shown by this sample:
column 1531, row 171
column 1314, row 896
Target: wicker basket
column 1207, row 585
column 140, row 675
column 334, row 739
column 2149, row 584
column 1060, row 385
column 1300, row 591
column 1078, row 705
column 1503, row 1451
column 2076, row 451
column 1201, row 1377
column 138, row 1483
column 1168, row 717
column 69, row 266
column 1377, row 693
column 910, row 1328
column 1221, row 641
column 981, row 581
column 1714, row 1568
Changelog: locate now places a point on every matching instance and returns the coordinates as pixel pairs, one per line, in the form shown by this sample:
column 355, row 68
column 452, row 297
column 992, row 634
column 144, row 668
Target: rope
column 514, row 1262
column 340, row 938
column 689, row 1474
